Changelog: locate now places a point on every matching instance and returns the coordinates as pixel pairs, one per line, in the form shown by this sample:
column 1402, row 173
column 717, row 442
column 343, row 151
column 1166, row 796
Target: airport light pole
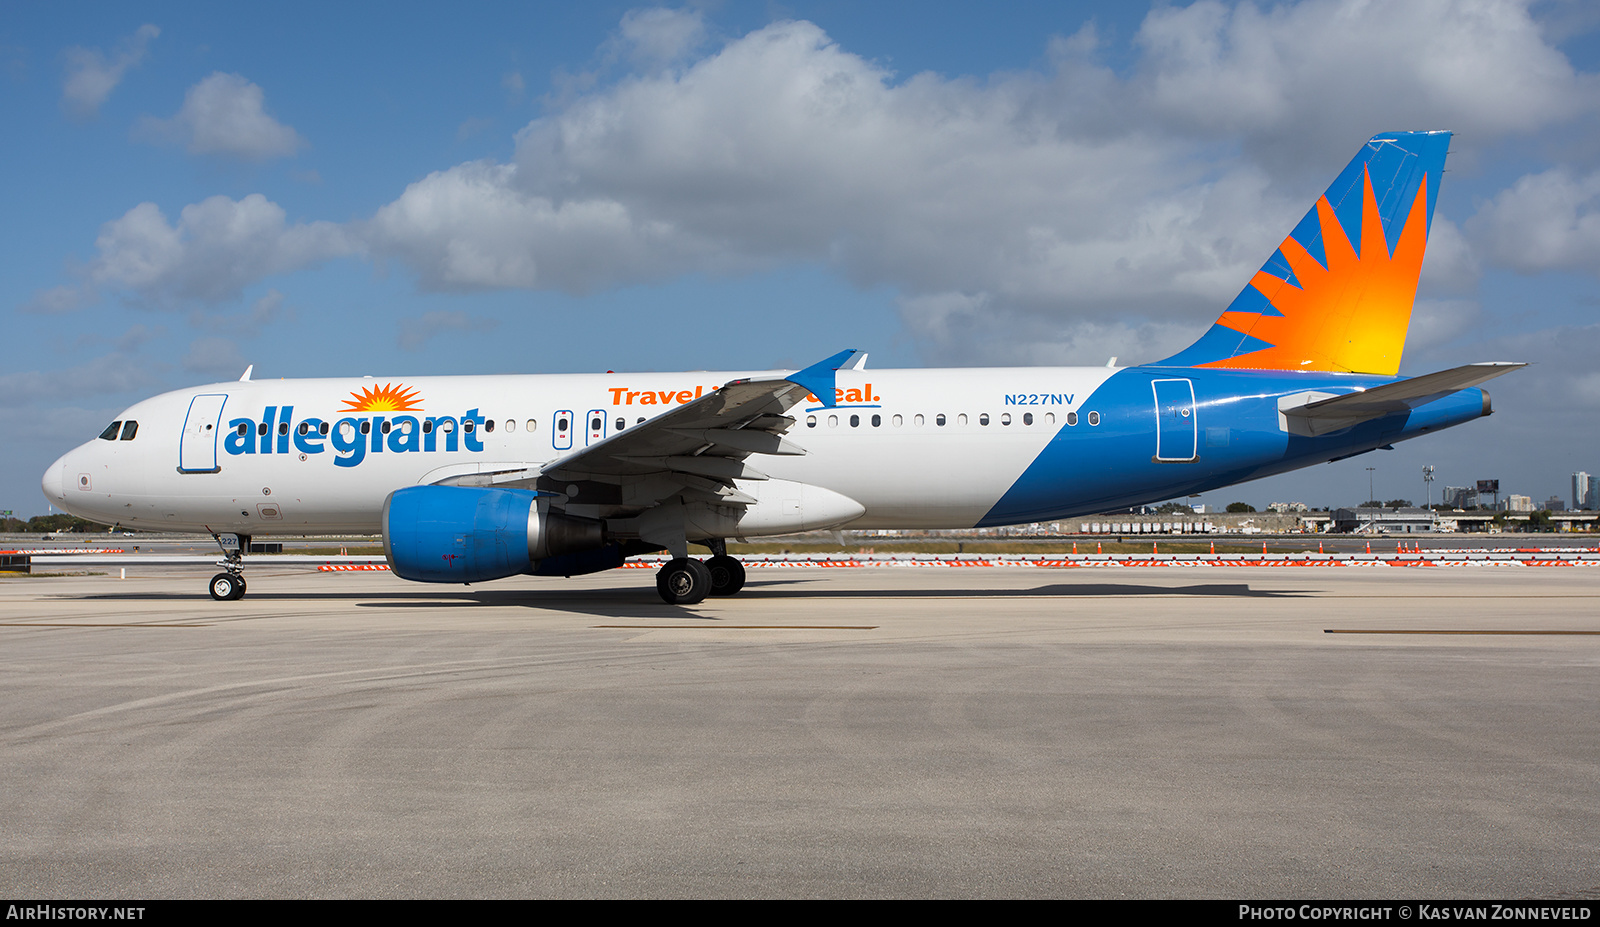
column 1427, row 487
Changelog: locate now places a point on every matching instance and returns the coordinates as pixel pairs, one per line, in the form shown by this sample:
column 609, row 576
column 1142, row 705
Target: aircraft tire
column 727, row 575
column 683, row 581
column 226, row 587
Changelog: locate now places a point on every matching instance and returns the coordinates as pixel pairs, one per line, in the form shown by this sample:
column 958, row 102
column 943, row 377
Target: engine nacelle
column 463, row 534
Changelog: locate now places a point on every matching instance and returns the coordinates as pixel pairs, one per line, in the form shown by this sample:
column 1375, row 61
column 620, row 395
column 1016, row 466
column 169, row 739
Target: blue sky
column 336, row 189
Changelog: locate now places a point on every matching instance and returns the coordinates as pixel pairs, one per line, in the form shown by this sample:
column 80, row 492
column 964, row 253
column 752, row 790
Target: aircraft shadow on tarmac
column 641, row 601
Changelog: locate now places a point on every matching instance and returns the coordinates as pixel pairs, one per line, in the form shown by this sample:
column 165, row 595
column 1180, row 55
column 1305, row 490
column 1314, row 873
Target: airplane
column 475, row 478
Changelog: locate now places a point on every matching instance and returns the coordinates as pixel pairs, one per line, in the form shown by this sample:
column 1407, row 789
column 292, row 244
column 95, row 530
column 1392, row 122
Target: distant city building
column 1461, row 497
column 1582, row 491
column 1284, row 508
column 1516, row 503
column 1555, row 504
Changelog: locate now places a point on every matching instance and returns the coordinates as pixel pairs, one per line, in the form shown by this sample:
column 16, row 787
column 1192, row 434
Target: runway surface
column 1161, row 732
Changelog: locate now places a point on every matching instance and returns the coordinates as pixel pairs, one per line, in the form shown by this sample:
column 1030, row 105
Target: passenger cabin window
column 243, row 429
column 983, row 419
column 511, row 424
column 811, row 421
column 1072, row 418
column 1027, row 418
column 322, row 429
column 1094, row 418
column 855, row 421
column 1005, row 418
column 622, row 423
column 877, row 420
column 533, row 424
column 939, row 420
column 110, row 434
column 961, row 419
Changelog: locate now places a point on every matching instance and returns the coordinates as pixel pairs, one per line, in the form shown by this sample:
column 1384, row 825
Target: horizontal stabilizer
column 1313, row 413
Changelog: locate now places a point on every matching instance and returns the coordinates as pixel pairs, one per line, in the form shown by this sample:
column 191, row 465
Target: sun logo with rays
column 387, row 398
column 1352, row 314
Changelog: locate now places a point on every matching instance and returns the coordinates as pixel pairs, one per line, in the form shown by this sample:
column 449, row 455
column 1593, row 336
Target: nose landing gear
column 229, row 585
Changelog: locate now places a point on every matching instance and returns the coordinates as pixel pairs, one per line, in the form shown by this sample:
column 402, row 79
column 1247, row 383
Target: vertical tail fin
column 1337, row 293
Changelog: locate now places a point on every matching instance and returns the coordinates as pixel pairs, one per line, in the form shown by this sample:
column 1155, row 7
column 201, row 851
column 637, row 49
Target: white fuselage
column 883, row 447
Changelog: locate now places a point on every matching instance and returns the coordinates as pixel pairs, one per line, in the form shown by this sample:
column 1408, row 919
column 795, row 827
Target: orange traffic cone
column 1074, row 546
column 1319, row 547
column 1213, row 547
column 1155, row 548
column 1369, row 547
column 1097, row 548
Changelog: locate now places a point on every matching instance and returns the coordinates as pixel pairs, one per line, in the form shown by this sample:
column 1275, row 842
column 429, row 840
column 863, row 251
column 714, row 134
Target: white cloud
column 1295, row 79
column 657, row 37
column 92, row 75
column 214, row 356
column 223, row 115
column 218, row 247
column 1059, row 208
column 1072, row 194
column 112, row 373
column 514, row 86
column 417, row 332
column 268, row 309
column 1546, row 221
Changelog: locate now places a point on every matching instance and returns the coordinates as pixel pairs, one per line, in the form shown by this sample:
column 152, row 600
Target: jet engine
column 462, row 534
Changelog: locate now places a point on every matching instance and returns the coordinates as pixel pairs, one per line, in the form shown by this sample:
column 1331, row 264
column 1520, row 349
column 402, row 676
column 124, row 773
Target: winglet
column 246, row 377
column 818, row 378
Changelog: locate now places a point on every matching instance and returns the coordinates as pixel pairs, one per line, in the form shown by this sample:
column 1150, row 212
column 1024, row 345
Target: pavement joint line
column 84, row 624
column 1452, row 631
column 740, row 627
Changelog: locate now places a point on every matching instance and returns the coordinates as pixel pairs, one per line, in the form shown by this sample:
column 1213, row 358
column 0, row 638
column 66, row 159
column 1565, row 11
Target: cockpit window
column 129, row 429
column 110, row 434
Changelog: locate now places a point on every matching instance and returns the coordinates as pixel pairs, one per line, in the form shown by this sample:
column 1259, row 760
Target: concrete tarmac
column 875, row 732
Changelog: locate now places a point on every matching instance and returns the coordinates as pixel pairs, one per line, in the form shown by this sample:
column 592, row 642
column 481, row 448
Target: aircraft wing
column 702, row 446
column 1312, row 414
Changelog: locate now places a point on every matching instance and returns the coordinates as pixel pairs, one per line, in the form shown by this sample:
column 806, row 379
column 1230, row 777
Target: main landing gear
column 228, row 586
column 687, row 581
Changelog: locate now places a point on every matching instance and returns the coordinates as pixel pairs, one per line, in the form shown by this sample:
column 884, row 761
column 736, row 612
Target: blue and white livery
column 475, row 478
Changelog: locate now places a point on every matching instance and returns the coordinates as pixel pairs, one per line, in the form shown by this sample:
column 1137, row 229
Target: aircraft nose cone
column 52, row 485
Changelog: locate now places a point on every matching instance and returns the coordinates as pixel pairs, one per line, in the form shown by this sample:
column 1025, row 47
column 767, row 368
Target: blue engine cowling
column 464, row 534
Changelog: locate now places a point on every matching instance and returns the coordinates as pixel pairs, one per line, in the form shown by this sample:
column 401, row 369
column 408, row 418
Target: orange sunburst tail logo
column 1337, row 294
